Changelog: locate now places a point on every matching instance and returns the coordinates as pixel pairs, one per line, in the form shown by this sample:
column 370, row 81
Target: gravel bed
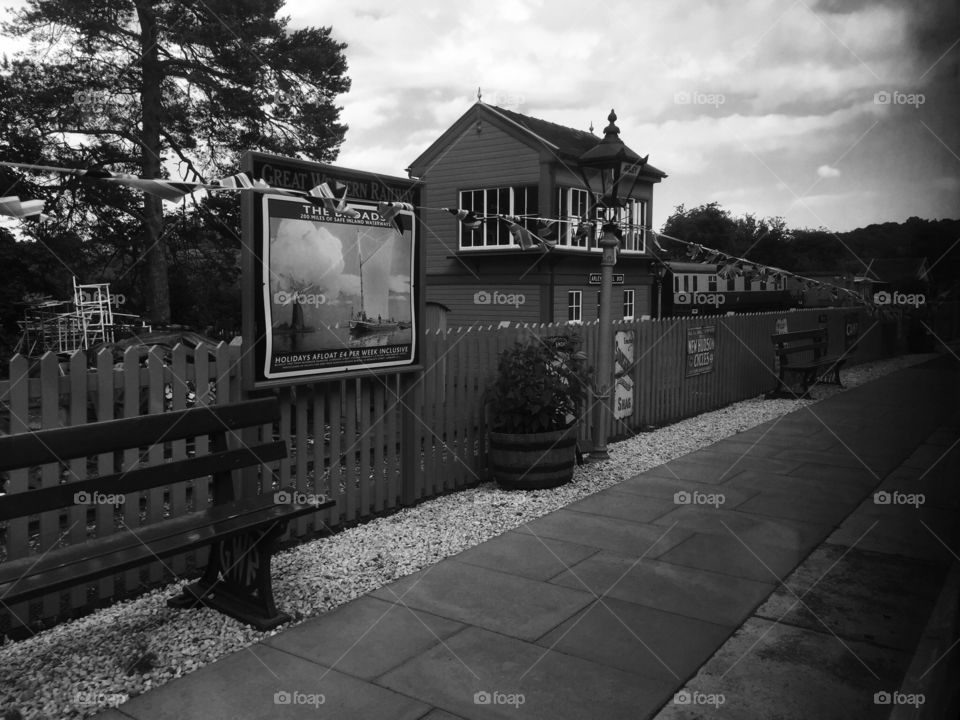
column 78, row 668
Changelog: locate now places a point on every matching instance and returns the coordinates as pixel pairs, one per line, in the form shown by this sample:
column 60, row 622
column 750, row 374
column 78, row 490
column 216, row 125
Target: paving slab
column 440, row 715
column 261, row 682
column 856, row 595
column 655, row 486
column 552, row 684
column 638, row 639
column 812, row 507
column 730, row 556
column 735, row 445
column 713, row 597
column 795, row 674
column 924, row 534
column 497, row 601
column 797, row 486
column 623, row 505
column 365, row 638
column 838, row 460
column 733, row 461
column 688, row 468
column 748, row 528
column 522, row 553
column 622, row 536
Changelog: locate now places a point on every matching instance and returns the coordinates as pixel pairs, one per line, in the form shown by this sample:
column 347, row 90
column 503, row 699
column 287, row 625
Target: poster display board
column 701, row 349
column 328, row 293
column 624, row 355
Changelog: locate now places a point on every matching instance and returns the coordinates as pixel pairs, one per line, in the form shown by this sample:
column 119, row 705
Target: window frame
column 575, row 306
column 631, row 303
column 521, row 200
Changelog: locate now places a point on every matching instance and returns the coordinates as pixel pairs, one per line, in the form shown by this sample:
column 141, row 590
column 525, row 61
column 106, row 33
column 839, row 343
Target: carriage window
column 711, row 283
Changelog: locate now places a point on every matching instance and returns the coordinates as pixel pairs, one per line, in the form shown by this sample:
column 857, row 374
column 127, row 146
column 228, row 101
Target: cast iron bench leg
column 237, row 579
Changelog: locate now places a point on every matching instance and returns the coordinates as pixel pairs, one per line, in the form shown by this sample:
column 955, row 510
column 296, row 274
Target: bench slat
column 44, row 446
column 800, row 348
column 798, row 335
column 62, row 568
column 141, row 478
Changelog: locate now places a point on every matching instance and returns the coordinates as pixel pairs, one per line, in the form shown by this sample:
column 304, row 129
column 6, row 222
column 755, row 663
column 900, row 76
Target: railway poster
column 701, row 349
column 331, row 286
column 338, row 290
column 623, row 373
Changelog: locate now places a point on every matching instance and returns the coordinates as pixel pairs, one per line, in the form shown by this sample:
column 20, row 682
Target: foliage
column 146, row 86
column 539, row 386
column 770, row 242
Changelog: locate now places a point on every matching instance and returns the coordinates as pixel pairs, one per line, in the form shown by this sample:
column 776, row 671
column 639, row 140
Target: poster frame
column 362, row 187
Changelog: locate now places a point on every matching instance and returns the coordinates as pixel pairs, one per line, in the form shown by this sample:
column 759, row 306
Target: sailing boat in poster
column 375, row 258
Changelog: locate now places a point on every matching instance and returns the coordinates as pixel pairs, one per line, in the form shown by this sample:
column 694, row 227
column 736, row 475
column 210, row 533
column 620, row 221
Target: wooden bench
column 241, row 532
column 818, row 368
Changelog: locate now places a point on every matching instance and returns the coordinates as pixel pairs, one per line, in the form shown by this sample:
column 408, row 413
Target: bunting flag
column 239, row 181
column 584, row 232
column 547, row 229
column 13, row 206
column 523, row 237
column 158, row 187
column 163, row 189
column 323, row 196
column 469, row 220
column 389, row 210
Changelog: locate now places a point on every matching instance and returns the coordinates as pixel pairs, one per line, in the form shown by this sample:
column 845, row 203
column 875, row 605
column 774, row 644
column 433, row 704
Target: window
column 635, row 215
column 686, row 283
column 696, row 281
column 628, row 304
column 574, row 205
column 574, row 306
column 496, row 201
column 711, row 283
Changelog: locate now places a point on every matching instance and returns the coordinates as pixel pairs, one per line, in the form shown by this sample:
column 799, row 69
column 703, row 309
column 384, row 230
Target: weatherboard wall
column 473, row 160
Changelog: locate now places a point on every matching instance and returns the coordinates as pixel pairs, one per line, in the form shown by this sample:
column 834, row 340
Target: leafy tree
column 145, row 86
column 708, row 225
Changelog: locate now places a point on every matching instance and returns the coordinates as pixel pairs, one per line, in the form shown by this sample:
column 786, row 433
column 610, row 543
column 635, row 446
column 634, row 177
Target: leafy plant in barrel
column 540, row 385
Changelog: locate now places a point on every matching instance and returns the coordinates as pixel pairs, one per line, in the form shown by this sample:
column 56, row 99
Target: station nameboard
column 597, row 278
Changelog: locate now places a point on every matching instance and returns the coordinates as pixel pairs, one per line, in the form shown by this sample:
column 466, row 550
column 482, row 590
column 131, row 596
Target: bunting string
column 544, row 235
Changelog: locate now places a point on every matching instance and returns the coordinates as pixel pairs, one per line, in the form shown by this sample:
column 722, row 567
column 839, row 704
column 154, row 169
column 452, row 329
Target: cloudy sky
column 833, row 113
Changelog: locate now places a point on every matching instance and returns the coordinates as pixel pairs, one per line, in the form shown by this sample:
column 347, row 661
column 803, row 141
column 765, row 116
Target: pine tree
column 156, row 87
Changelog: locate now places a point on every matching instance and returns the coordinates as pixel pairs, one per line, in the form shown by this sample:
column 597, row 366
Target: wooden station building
column 496, row 161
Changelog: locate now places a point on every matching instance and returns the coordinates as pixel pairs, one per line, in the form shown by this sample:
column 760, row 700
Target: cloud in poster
column 305, row 256
column 400, row 284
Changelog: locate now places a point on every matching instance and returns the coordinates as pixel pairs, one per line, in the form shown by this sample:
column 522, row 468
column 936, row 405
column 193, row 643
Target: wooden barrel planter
column 533, row 461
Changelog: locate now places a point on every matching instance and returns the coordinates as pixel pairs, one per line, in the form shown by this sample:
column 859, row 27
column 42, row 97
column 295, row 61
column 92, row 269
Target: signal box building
column 496, row 161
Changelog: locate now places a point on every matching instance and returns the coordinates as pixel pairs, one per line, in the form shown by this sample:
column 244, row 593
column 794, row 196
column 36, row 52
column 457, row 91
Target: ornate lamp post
column 604, row 169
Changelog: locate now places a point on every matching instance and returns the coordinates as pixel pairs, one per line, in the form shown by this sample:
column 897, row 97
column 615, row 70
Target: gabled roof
column 560, row 141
